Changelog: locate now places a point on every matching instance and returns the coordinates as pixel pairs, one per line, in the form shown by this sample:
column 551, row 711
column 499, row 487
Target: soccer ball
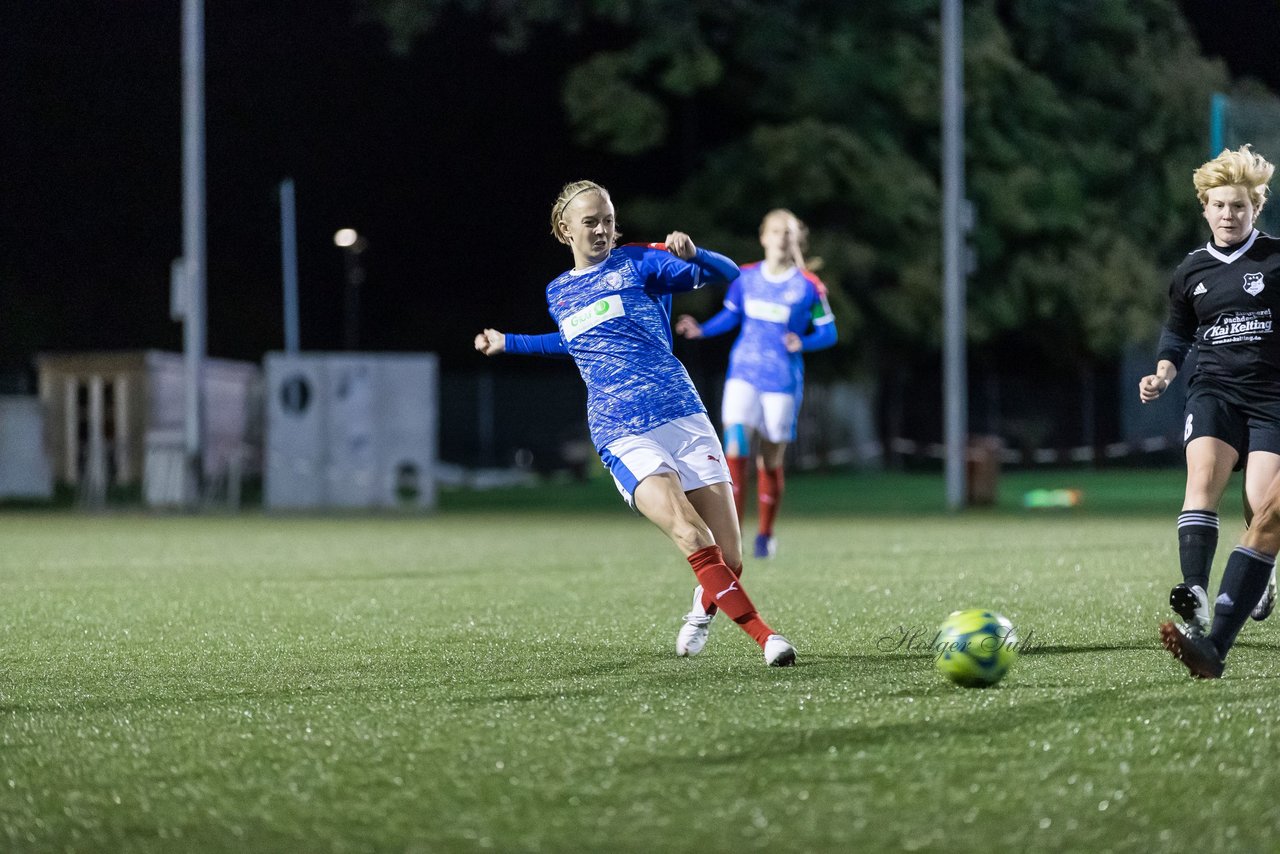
column 975, row 648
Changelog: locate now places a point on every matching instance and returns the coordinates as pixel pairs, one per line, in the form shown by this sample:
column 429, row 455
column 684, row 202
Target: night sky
column 447, row 159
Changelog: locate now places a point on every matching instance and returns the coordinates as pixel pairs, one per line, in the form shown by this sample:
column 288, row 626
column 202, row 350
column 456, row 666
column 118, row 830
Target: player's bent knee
column 690, row 537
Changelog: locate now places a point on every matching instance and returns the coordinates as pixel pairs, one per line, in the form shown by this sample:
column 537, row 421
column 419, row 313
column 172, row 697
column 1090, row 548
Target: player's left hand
column 680, row 245
column 793, row 342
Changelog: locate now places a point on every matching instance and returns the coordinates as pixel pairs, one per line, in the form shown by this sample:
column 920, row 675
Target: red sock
column 770, row 484
column 721, row 587
column 710, row 606
column 738, row 470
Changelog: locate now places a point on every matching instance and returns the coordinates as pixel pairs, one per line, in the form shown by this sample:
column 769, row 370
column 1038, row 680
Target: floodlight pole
column 351, row 298
column 193, row 245
column 289, row 264
column 954, row 368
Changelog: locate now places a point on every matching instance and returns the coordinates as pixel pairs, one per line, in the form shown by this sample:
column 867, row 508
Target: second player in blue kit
column 782, row 310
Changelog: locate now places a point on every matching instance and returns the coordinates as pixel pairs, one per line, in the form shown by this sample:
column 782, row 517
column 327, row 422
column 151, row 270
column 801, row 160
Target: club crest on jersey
column 1253, row 284
column 613, row 279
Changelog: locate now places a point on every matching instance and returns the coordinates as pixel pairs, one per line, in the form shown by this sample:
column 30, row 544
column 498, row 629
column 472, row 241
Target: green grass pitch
column 501, row 677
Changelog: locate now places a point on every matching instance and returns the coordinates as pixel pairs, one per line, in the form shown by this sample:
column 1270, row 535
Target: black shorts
column 1246, row 424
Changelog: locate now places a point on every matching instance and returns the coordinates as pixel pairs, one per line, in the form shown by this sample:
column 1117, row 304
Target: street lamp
column 352, row 245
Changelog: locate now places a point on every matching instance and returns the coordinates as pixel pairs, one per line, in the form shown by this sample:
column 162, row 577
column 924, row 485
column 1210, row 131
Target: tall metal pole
column 289, row 264
column 351, row 300
column 955, row 384
column 193, row 243
column 351, row 310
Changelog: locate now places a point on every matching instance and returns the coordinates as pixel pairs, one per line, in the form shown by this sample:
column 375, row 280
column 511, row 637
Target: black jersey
column 1225, row 305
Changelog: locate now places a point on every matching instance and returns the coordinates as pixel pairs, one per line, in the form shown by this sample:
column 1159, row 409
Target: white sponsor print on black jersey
column 1239, row 326
column 1200, row 289
column 1253, row 284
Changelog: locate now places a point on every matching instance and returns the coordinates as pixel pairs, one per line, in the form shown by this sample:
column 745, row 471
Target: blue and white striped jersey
column 615, row 322
column 768, row 309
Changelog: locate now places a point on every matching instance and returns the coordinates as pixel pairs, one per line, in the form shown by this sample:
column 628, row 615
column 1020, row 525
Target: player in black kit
column 1224, row 300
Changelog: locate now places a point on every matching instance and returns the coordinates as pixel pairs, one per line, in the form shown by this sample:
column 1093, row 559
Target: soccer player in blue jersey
column 646, row 419
column 1223, row 300
column 783, row 313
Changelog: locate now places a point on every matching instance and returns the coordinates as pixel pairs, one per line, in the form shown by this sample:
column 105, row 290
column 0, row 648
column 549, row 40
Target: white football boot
column 1267, row 603
column 778, row 652
column 692, row 636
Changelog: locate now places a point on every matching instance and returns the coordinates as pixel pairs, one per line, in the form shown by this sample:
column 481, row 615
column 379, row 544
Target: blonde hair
column 567, row 194
column 801, row 244
column 1241, row 167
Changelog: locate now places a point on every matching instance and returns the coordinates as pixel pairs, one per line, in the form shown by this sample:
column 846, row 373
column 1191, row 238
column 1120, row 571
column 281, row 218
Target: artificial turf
column 505, row 681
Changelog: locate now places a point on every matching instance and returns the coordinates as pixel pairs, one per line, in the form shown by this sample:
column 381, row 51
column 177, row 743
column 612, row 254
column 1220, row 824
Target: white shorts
column 687, row 446
column 772, row 414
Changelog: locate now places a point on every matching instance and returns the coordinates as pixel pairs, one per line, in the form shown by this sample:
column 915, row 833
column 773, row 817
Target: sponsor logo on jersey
column 1200, row 289
column 1242, row 326
column 1186, row 431
column 1253, row 284
column 772, row 312
column 592, row 316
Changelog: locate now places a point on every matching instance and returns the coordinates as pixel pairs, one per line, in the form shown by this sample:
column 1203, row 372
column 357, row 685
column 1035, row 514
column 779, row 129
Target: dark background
column 447, row 159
